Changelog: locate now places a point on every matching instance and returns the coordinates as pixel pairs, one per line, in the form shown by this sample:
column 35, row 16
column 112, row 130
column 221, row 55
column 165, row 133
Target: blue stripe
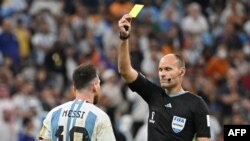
column 54, row 123
column 90, row 123
column 78, row 108
column 69, row 120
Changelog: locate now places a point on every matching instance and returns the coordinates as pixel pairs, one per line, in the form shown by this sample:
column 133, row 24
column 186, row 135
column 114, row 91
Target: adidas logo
column 168, row 105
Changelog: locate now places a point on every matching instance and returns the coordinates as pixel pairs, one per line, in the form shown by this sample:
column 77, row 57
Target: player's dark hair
column 180, row 60
column 84, row 74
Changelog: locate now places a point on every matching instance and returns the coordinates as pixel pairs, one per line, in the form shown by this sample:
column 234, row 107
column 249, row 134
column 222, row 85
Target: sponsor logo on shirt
column 168, row 105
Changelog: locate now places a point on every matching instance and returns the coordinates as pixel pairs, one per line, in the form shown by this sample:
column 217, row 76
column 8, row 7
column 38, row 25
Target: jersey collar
column 177, row 94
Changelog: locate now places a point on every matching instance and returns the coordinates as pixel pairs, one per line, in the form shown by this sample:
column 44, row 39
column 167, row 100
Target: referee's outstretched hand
column 125, row 25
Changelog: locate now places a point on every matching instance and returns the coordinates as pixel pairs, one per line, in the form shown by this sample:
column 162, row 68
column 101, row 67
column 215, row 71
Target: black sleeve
column 202, row 119
column 146, row 89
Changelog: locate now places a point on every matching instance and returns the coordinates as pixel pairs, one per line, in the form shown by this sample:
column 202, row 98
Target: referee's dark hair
column 180, row 60
column 84, row 74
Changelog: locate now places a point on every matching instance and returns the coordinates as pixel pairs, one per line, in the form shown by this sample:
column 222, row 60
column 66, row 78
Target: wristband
column 123, row 37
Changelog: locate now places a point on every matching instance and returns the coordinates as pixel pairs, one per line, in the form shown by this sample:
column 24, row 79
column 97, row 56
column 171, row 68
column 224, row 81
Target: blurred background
column 42, row 42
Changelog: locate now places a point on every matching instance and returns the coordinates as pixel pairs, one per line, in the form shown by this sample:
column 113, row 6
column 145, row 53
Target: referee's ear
column 182, row 71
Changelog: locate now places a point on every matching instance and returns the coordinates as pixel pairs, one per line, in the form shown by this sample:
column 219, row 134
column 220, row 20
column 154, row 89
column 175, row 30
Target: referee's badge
column 178, row 124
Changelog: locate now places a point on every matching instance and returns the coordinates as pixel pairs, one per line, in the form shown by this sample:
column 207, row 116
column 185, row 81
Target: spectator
column 233, row 13
column 47, row 99
column 4, row 98
column 26, row 135
column 112, row 90
column 238, row 119
column 71, row 62
column 23, row 100
column 120, row 7
column 142, row 133
column 9, row 43
column 41, row 79
column 218, row 65
column 229, row 37
column 149, row 12
column 55, row 62
column 229, row 94
column 8, row 129
column 136, row 53
column 194, row 23
column 245, row 80
column 23, row 37
column 215, row 128
column 42, row 41
column 138, row 111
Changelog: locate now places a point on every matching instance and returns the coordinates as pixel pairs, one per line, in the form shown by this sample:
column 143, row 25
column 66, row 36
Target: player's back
column 78, row 120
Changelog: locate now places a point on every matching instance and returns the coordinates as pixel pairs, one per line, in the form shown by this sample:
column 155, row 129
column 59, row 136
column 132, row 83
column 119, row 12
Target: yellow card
column 135, row 10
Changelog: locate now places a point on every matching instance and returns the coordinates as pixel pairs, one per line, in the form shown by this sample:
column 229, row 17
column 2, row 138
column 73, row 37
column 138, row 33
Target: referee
column 175, row 114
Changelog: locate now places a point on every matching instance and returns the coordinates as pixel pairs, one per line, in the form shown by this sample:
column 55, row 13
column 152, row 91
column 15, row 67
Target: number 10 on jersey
column 81, row 130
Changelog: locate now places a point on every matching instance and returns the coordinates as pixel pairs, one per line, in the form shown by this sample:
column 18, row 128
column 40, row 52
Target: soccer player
column 175, row 114
column 80, row 119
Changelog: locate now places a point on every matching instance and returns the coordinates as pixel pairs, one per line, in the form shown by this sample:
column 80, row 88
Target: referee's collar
column 177, row 94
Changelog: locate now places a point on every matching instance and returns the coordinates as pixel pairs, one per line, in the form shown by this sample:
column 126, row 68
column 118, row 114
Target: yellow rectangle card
column 135, row 10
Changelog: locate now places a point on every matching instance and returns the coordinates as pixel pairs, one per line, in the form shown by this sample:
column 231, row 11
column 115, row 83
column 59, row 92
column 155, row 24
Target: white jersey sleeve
column 104, row 130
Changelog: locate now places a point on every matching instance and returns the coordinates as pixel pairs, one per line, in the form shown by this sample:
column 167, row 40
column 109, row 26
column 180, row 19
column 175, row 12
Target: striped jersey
column 77, row 120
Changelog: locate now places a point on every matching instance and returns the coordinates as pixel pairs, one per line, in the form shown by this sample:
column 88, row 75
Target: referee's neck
column 175, row 90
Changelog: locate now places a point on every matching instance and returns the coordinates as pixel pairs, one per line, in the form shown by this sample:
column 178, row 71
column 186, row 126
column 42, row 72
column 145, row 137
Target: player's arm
column 124, row 64
column 203, row 139
column 44, row 140
column 44, row 134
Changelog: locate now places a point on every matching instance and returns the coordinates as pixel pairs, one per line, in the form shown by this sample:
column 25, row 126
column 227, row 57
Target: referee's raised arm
column 124, row 63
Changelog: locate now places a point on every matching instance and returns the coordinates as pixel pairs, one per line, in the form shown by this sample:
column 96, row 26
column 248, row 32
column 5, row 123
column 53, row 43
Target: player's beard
column 96, row 98
column 97, row 94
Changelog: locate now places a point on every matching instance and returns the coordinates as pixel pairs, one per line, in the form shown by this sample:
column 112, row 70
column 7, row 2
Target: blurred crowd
column 43, row 41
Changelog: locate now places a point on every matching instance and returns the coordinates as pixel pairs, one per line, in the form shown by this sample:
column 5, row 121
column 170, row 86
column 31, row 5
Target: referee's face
column 169, row 72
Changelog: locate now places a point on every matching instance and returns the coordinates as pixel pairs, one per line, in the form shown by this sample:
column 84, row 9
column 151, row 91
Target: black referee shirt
column 176, row 118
